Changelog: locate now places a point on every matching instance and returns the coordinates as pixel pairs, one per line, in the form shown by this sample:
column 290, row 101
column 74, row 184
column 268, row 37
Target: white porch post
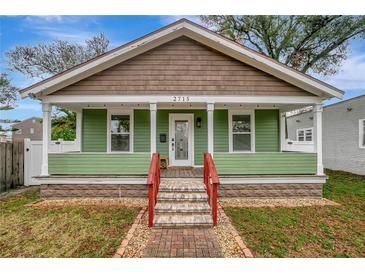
column 210, row 110
column 317, row 121
column 78, row 129
column 153, row 110
column 46, row 123
column 282, row 131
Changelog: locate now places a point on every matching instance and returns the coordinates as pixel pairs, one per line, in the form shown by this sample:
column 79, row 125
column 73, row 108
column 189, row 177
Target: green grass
column 60, row 232
column 309, row 231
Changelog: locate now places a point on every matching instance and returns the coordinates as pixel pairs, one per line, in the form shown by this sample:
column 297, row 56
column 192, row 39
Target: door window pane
column 181, row 140
column 241, row 142
column 120, row 142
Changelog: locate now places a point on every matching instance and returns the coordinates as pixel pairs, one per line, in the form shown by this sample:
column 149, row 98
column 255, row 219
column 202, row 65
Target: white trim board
column 69, row 180
column 273, row 180
column 197, row 33
column 299, row 100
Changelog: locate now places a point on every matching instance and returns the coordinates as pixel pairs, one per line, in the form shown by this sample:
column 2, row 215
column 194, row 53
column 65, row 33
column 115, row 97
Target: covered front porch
column 246, row 136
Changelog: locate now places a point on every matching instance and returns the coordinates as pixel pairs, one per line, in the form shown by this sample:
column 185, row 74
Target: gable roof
column 196, row 32
column 38, row 119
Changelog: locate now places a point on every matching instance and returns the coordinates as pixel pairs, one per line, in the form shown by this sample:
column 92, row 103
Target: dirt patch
column 97, row 202
column 277, row 202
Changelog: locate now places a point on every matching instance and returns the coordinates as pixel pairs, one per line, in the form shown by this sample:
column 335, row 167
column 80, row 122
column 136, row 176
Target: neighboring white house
column 343, row 134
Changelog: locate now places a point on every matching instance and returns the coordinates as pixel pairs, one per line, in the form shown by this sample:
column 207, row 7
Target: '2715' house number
column 180, row 98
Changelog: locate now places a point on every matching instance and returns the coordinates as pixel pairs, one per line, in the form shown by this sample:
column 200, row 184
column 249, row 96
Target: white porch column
column 78, row 129
column 282, row 131
column 46, row 123
column 317, row 135
column 210, row 110
column 153, row 110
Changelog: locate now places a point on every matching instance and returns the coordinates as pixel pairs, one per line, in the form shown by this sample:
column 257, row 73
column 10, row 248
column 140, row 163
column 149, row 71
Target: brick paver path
column 183, row 243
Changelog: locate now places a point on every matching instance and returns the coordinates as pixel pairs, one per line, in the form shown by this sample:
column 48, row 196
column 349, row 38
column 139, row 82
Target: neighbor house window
column 241, row 132
column 362, row 133
column 31, row 130
column 120, row 139
column 305, row 135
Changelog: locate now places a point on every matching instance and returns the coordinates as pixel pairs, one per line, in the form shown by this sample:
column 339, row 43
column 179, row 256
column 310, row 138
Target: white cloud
column 168, row 19
column 351, row 75
column 36, row 106
column 71, row 35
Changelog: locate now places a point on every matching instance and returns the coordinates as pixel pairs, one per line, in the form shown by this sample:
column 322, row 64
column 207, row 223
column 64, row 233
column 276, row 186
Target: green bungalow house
column 182, row 90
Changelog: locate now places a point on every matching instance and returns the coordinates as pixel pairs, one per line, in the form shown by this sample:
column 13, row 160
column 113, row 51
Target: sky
column 30, row 30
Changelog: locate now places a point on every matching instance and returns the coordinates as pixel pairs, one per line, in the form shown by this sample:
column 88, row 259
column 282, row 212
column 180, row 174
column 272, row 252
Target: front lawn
column 310, row 231
column 60, row 232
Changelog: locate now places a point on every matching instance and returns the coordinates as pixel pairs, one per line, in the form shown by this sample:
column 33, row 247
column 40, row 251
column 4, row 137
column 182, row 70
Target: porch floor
column 182, row 172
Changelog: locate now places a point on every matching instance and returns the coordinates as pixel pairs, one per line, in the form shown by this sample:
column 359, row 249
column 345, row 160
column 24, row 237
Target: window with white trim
column 241, row 132
column 362, row 133
column 120, row 132
column 305, row 135
column 31, row 130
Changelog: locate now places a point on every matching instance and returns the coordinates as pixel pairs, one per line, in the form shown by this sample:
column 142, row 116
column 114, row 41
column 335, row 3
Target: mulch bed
column 276, row 202
column 97, row 202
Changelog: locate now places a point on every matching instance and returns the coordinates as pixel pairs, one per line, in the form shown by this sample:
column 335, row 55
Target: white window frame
column 252, row 120
column 304, row 129
column 31, row 130
column 361, row 133
column 129, row 112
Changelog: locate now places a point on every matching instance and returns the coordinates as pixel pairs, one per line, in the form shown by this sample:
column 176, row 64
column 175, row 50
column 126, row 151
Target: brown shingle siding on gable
column 182, row 66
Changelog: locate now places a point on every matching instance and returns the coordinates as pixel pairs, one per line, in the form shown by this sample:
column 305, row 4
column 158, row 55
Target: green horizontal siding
column 200, row 134
column 220, row 127
column 141, row 130
column 94, row 127
column 98, row 163
column 265, row 163
column 267, row 130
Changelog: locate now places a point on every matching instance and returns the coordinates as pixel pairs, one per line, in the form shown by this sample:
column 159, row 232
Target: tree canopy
column 310, row 44
column 8, row 92
column 46, row 59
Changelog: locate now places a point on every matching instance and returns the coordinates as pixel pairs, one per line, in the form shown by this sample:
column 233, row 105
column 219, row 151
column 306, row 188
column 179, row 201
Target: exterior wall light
column 198, row 122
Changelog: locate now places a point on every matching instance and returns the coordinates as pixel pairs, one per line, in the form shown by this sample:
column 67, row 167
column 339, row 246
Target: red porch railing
column 211, row 181
column 153, row 182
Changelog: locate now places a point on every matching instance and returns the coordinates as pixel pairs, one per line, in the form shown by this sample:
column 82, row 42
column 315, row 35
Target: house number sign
column 180, row 98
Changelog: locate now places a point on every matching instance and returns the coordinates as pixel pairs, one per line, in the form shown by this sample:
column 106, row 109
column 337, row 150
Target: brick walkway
column 183, row 243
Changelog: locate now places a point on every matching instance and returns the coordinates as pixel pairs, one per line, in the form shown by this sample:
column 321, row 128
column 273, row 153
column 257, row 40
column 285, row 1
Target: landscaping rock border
column 131, row 233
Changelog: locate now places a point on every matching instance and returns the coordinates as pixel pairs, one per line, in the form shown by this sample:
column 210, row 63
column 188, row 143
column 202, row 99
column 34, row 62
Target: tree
column 314, row 44
column 44, row 60
column 8, row 93
column 64, row 125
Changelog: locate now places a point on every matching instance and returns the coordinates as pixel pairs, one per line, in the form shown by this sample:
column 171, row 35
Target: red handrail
column 211, row 181
column 153, row 182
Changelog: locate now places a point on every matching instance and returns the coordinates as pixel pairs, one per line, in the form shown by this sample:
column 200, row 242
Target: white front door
column 181, row 136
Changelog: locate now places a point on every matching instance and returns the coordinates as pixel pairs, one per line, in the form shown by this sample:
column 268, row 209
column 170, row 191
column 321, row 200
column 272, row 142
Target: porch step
column 182, row 196
column 181, row 187
column 182, row 207
column 177, row 220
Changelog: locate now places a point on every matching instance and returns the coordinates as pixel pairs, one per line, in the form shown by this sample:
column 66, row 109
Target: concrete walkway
column 182, row 243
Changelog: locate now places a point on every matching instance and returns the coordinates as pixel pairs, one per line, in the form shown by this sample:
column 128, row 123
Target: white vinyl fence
column 33, row 157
